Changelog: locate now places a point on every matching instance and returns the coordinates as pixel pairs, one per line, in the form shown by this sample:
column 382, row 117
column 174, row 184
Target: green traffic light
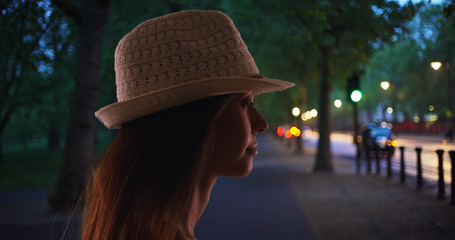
column 356, row 96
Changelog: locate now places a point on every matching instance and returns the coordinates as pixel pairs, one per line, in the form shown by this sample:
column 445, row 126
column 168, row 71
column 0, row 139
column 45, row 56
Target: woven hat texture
column 180, row 58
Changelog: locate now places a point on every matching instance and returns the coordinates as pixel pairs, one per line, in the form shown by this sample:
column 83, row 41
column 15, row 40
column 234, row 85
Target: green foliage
column 406, row 65
column 286, row 38
column 37, row 68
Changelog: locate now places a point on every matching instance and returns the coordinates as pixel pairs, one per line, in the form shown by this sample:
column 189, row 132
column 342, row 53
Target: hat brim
column 116, row 114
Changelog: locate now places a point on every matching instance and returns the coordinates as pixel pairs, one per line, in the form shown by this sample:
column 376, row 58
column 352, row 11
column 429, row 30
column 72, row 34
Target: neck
column 199, row 201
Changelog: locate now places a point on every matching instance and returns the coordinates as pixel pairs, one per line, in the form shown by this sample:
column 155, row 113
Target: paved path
column 282, row 199
column 260, row 206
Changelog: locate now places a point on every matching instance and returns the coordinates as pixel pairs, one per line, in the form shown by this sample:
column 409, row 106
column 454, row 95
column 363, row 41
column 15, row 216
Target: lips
column 252, row 149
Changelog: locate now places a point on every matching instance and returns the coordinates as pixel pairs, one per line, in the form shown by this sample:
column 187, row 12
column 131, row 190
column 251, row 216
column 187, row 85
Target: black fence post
column 419, row 168
column 441, row 184
column 402, row 167
column 452, row 192
column 389, row 162
column 367, row 152
column 378, row 160
column 357, row 159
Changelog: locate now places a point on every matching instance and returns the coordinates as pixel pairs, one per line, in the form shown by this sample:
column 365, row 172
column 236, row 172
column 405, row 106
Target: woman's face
column 236, row 143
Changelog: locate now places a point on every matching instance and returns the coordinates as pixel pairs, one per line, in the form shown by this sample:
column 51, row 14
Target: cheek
column 231, row 143
column 232, row 138
column 233, row 132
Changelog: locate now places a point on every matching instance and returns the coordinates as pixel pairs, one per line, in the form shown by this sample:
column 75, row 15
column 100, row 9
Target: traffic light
column 353, row 88
column 356, row 95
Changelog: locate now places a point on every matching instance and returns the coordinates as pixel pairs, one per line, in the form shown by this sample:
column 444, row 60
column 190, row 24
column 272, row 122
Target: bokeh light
column 356, row 95
column 295, row 111
column 385, row 85
column 337, row 103
column 436, row 65
column 280, row 131
column 288, row 134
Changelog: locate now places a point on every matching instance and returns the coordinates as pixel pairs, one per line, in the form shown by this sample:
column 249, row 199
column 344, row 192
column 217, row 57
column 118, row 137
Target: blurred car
column 377, row 136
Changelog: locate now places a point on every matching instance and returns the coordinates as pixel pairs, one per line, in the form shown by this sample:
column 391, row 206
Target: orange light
column 288, row 134
column 297, row 133
column 280, row 131
column 394, row 143
column 293, row 130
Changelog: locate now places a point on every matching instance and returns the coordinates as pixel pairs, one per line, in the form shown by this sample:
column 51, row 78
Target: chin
column 238, row 175
column 240, row 172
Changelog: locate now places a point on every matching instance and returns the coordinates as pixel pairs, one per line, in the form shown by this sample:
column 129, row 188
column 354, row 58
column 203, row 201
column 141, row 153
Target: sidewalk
column 281, row 199
column 349, row 206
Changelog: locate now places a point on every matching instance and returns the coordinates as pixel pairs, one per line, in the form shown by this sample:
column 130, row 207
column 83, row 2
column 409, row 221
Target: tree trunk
column 1, row 149
column 3, row 122
column 299, row 140
column 324, row 154
column 451, row 96
column 53, row 137
column 24, row 139
column 300, row 124
column 78, row 155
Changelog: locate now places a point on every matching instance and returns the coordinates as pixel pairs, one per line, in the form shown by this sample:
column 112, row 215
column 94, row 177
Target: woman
column 185, row 88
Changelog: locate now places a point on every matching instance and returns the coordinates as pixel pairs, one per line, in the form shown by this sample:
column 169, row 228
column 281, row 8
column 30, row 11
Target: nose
column 258, row 123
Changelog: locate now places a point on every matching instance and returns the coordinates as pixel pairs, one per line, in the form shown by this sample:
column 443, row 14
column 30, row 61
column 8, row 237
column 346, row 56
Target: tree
column 443, row 52
column 90, row 18
column 406, row 65
column 25, row 27
column 346, row 41
column 449, row 11
column 333, row 37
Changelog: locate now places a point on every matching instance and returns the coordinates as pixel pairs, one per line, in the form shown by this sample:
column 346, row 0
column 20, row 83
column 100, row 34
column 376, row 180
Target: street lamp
column 314, row 113
column 389, row 110
column 436, row 65
column 385, row 85
column 337, row 103
column 296, row 112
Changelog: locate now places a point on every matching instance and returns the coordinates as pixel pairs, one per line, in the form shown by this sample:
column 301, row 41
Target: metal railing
column 378, row 154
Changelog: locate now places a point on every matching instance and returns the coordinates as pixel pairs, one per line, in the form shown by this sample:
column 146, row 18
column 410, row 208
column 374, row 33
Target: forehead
column 239, row 96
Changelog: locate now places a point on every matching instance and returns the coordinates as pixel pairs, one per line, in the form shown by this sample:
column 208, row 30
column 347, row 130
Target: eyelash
column 248, row 103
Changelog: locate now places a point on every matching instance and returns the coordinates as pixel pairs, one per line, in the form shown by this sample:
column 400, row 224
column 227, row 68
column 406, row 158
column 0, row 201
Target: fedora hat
column 181, row 58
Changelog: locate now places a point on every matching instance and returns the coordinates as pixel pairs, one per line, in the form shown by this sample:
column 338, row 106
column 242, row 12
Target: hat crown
column 180, row 48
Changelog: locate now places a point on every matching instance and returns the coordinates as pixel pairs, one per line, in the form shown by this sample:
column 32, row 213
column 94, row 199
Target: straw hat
column 180, row 58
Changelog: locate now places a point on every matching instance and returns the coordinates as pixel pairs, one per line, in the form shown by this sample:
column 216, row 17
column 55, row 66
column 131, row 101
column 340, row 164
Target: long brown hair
column 145, row 181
